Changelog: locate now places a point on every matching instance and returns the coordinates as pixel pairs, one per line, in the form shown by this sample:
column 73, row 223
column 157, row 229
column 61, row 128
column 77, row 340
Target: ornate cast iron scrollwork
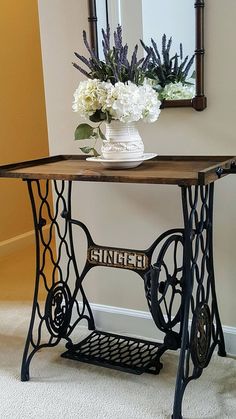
column 198, row 290
column 55, row 317
column 58, row 309
column 200, row 336
column 164, row 288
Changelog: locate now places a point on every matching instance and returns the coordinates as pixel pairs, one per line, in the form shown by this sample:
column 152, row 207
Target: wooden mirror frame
column 199, row 101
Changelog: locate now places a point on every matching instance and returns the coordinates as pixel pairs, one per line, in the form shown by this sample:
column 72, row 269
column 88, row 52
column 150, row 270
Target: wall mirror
column 181, row 20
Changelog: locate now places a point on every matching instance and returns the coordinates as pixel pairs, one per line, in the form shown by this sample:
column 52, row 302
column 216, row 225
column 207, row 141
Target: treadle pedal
column 118, row 352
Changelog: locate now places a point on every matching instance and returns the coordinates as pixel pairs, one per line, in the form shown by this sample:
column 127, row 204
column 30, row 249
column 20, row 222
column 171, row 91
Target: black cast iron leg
column 51, row 320
column 199, row 296
column 187, row 292
column 26, row 359
column 221, row 343
column 79, row 277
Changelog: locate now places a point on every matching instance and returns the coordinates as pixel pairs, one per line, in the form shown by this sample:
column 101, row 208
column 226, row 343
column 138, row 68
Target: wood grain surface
column 180, row 170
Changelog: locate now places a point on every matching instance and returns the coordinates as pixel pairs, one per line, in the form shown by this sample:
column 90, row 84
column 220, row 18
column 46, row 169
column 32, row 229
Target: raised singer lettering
column 117, row 258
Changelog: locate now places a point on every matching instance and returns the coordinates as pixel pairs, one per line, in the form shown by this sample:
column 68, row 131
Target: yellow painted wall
column 23, row 136
column 23, row 129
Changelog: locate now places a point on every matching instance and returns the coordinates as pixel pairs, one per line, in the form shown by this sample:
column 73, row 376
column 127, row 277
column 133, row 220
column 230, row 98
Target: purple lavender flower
column 164, row 69
column 115, row 66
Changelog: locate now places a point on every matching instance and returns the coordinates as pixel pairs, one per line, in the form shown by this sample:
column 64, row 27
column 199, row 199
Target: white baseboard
column 139, row 323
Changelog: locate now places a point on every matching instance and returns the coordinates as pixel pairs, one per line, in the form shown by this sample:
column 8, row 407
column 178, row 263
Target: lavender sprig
column 155, row 49
column 118, row 38
column 146, row 61
column 90, row 50
column 85, row 73
column 169, row 45
column 106, row 37
column 163, row 44
column 164, row 69
column 119, row 35
column 123, row 54
column 176, row 63
column 83, row 59
column 189, row 65
column 134, row 58
column 181, row 51
column 116, row 65
column 181, row 67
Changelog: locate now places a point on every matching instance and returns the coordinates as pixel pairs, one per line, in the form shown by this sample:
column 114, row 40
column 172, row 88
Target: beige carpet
column 61, row 388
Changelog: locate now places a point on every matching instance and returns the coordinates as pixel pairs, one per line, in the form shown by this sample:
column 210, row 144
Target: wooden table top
column 174, row 170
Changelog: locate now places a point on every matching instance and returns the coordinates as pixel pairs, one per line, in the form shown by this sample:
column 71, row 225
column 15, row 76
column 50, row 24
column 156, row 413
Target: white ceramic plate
column 122, row 163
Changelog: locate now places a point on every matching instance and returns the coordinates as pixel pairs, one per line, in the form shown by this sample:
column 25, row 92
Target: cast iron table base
column 175, row 292
column 170, row 295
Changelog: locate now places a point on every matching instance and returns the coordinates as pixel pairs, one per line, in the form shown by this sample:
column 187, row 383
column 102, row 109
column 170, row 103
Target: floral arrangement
column 127, row 90
column 117, row 88
column 176, row 91
column 125, row 102
column 170, row 75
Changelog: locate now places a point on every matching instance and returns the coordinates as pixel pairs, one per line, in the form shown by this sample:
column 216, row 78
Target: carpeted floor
column 61, row 388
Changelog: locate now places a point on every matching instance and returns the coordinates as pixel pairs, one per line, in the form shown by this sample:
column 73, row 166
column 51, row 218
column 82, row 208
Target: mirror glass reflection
column 150, row 19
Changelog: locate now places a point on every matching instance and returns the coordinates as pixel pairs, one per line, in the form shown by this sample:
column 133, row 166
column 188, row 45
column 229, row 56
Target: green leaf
column 187, row 83
column 102, row 136
column 87, row 150
column 98, row 116
column 83, row 132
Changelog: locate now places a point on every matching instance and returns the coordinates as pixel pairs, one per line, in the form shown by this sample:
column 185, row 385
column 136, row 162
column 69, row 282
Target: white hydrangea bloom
column 130, row 103
column 151, row 103
column 125, row 102
column 176, row 91
column 89, row 97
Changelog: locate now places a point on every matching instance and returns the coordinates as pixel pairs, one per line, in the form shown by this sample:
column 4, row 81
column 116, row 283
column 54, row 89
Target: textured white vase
column 123, row 142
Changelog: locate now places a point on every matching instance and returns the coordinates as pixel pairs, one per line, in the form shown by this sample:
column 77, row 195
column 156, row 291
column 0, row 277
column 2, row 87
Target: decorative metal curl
column 161, row 294
column 200, row 336
column 58, row 309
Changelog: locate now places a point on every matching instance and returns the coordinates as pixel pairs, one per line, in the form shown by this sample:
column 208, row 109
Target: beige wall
column 23, row 128
column 132, row 216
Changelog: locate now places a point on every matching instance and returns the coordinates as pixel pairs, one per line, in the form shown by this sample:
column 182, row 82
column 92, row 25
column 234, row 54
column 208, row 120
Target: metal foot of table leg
column 222, row 351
